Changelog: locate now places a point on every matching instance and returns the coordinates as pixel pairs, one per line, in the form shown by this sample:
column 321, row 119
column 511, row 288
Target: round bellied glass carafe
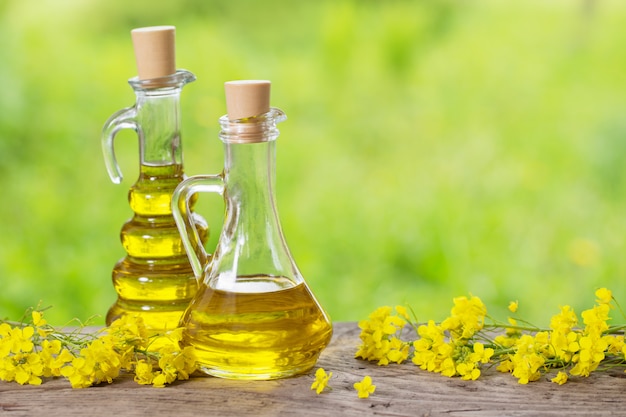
column 254, row 316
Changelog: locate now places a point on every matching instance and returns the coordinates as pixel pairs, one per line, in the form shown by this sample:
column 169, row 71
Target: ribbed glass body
column 154, row 280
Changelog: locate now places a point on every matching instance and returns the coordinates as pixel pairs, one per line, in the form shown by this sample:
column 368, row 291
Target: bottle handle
column 198, row 258
column 122, row 119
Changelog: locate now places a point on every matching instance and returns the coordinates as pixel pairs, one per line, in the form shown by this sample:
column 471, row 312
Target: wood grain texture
column 402, row 390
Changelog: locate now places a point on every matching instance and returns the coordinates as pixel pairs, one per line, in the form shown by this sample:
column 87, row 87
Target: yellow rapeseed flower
column 398, row 351
column 19, row 340
column 29, row 369
column 596, row 318
column 513, row 305
column 592, row 348
column 604, row 296
column 467, row 317
column 378, row 336
column 143, row 372
column 615, row 342
column 48, row 353
column 365, row 387
column 38, row 320
column 468, row 371
column 174, row 364
column 321, row 380
column 402, row 311
column 527, row 360
column 128, row 330
column 564, row 321
column 481, row 353
column 560, row 378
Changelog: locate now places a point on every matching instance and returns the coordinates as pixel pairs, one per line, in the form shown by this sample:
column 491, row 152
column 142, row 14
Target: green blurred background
column 434, row 148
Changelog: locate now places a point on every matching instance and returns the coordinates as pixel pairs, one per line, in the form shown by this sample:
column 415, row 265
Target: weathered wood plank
column 401, row 391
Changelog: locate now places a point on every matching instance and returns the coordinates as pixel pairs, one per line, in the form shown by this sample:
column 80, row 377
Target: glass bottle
column 154, row 280
column 254, row 317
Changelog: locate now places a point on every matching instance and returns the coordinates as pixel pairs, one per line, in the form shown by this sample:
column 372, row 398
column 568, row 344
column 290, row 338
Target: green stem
column 504, row 326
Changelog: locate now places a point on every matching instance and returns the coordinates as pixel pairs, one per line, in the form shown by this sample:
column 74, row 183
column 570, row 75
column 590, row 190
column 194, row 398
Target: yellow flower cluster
column 462, row 343
column 381, row 336
column 454, row 355
column 564, row 346
column 35, row 350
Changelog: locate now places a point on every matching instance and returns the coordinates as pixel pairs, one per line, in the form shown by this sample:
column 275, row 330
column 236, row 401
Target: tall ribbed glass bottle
column 155, row 279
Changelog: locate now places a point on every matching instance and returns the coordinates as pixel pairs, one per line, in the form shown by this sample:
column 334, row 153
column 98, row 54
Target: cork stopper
column 247, row 98
column 155, row 51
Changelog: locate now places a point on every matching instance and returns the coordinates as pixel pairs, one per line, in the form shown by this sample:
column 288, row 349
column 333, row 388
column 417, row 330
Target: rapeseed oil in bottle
column 254, row 316
column 154, row 280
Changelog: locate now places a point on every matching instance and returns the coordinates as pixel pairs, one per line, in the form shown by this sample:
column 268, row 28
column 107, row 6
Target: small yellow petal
column 402, row 311
column 38, row 320
column 604, row 296
column 560, row 378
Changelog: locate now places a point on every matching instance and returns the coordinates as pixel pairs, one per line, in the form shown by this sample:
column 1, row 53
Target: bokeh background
column 434, row 148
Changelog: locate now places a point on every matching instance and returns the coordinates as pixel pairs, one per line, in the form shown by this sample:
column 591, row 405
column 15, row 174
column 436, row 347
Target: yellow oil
column 155, row 279
column 256, row 335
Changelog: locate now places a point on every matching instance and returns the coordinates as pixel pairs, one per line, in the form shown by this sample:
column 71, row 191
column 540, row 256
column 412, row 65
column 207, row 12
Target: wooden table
column 402, row 390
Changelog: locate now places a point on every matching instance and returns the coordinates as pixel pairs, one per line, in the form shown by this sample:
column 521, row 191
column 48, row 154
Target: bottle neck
column 252, row 242
column 250, row 176
column 250, row 171
column 158, row 118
